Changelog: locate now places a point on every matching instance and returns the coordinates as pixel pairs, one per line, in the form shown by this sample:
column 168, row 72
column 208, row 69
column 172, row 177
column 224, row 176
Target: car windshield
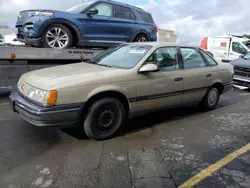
column 125, row 56
column 247, row 56
column 79, row 8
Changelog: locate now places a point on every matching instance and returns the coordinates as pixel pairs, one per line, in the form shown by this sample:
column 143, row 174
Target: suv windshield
column 124, row 56
column 79, row 8
column 247, row 56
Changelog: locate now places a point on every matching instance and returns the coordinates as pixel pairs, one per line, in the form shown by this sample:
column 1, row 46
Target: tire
column 141, row 38
column 104, row 118
column 64, row 31
column 211, row 99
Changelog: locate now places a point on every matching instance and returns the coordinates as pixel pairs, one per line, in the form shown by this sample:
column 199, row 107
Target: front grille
column 244, row 72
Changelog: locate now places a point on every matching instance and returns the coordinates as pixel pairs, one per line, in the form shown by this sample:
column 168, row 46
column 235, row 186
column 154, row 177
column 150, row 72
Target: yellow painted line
column 214, row 167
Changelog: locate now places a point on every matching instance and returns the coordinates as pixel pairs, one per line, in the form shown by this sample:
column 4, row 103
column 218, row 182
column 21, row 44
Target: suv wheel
column 104, row 118
column 57, row 36
column 211, row 99
column 141, row 38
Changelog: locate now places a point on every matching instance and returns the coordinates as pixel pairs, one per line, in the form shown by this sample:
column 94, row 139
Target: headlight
column 42, row 13
column 42, row 96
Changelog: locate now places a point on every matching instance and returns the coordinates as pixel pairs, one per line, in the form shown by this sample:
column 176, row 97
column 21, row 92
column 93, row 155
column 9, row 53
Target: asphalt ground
column 161, row 149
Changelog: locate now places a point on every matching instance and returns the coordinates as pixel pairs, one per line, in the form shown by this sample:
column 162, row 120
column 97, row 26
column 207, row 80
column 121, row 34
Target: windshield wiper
column 104, row 65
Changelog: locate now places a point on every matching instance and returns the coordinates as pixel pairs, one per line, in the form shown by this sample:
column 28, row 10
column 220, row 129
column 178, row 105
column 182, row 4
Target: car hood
column 73, row 75
column 240, row 62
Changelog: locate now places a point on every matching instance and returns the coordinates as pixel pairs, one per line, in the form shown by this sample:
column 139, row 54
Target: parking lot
column 161, row 149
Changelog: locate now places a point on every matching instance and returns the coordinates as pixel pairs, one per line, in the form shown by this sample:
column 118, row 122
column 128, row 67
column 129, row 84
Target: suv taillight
column 155, row 27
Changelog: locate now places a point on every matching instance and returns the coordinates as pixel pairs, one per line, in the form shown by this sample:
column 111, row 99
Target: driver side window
column 238, row 48
column 104, row 9
column 165, row 58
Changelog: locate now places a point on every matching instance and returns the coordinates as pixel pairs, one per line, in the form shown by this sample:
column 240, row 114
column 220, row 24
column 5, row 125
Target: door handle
column 209, row 75
column 231, row 54
column 178, row 79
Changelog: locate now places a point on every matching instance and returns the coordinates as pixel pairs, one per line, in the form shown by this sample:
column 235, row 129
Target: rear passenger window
column 123, row 12
column 146, row 16
column 191, row 58
column 210, row 60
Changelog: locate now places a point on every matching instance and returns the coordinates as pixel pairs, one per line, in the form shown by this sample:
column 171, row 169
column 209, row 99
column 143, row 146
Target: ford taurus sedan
column 98, row 95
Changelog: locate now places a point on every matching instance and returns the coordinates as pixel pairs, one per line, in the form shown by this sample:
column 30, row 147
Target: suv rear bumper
column 61, row 116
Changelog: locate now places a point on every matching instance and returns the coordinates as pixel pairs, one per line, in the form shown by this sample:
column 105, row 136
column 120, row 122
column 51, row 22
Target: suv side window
column 123, row 12
column 104, row 9
column 210, row 60
column 165, row 58
column 191, row 58
column 238, row 48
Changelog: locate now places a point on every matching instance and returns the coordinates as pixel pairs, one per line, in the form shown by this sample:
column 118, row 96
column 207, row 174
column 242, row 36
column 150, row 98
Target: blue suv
column 99, row 23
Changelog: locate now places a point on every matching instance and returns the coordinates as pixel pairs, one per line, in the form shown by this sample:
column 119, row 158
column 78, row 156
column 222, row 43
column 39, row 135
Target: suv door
column 124, row 23
column 97, row 27
column 162, row 88
column 236, row 50
column 197, row 75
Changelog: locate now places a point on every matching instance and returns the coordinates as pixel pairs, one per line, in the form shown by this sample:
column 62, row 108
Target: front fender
column 60, row 21
column 103, row 89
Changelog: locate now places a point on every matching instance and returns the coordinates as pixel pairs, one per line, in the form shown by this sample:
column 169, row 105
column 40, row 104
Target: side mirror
column 241, row 56
column 92, row 11
column 148, row 68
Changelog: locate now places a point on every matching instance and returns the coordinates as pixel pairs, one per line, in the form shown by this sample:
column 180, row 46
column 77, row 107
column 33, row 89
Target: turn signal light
column 52, row 97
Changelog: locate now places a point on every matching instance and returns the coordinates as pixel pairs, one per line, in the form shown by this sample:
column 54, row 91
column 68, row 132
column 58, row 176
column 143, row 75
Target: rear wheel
column 104, row 118
column 141, row 38
column 57, row 36
column 211, row 98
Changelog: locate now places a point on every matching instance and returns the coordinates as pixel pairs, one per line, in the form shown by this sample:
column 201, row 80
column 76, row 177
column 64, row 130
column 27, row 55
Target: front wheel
column 211, row 99
column 57, row 36
column 104, row 118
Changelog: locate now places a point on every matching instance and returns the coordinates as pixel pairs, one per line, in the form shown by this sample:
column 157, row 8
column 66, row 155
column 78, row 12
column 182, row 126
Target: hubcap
column 212, row 96
column 142, row 39
column 57, row 38
column 106, row 118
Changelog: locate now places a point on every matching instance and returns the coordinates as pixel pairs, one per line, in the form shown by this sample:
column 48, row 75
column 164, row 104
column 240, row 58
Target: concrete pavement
column 161, row 149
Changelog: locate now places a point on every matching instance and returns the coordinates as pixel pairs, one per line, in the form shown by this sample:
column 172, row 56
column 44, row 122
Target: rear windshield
column 124, row 56
column 146, row 16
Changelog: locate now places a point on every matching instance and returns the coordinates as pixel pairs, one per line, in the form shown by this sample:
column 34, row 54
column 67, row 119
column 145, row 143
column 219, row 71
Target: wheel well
column 71, row 29
column 73, row 32
column 113, row 94
column 141, row 33
column 219, row 86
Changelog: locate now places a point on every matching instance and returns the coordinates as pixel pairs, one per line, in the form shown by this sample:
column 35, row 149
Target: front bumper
column 61, row 116
column 241, row 83
column 30, row 41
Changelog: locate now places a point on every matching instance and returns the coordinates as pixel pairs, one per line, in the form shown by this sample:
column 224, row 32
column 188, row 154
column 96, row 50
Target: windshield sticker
column 137, row 51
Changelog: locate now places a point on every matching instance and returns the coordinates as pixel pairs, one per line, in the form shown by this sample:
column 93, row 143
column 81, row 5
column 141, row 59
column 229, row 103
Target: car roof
column 162, row 44
column 123, row 4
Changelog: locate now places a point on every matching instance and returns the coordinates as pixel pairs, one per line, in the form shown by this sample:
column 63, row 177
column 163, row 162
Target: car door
column 124, row 23
column 97, row 27
column 197, row 75
column 164, row 87
column 236, row 50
